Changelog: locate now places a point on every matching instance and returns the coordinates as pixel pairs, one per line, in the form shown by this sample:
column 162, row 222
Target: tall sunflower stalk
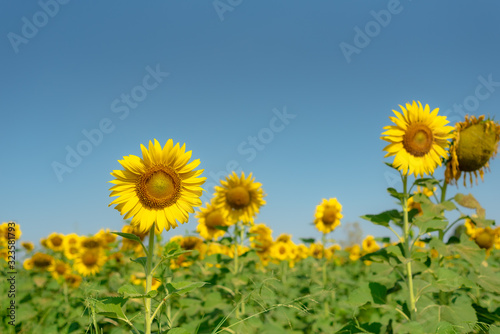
column 157, row 191
column 418, row 140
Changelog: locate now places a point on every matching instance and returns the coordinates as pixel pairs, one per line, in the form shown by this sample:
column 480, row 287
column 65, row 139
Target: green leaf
column 307, row 241
column 461, row 314
column 378, row 292
column 129, row 236
column 394, row 193
column 445, row 328
column 468, row 201
column 383, row 218
column 469, row 251
column 182, row 287
column 129, row 291
column 141, row 260
column 111, row 307
column 178, row 330
column 427, row 225
column 494, row 329
column 488, row 279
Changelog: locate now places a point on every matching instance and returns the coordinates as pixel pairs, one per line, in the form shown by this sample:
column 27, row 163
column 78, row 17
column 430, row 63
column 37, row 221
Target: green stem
column 443, row 198
column 149, row 279
column 407, row 243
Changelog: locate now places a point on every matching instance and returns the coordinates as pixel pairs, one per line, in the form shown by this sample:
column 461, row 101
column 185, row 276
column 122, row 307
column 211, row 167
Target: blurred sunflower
column 328, row 215
column 209, row 218
column 71, row 245
column 39, row 261
column 6, row 231
column 369, row 244
column 262, row 240
column 55, row 242
column 418, row 140
column 160, row 189
column 240, row 196
column 28, row 246
column 73, row 280
column 106, row 236
column 354, row 252
column 91, row 243
column 60, row 269
column 316, row 250
column 474, row 144
column 89, row 262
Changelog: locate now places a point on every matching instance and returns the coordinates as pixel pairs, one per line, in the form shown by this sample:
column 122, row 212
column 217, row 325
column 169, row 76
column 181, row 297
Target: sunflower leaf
column 383, row 218
column 129, row 236
column 141, row 260
column 182, row 287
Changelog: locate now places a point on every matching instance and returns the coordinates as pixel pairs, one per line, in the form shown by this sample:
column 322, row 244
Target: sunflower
column 89, row 262
column 475, row 143
column 60, row 269
column 263, row 239
column 28, row 246
column 328, row 215
column 209, row 219
column 55, row 242
column 160, row 189
column 415, row 205
column 241, row 196
column 370, row 245
column 71, row 245
column 354, row 252
column 418, row 140
column 316, row 250
column 73, row 280
column 106, row 236
column 39, row 261
column 8, row 232
column 91, row 243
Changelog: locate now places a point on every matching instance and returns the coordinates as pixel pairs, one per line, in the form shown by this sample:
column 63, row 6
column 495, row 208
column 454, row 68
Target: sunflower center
column 90, row 244
column 282, row 250
column 41, row 262
column 418, row 140
column 89, row 259
column 57, row 241
column 214, row 218
column 159, row 187
column 61, row 269
column 238, row 197
column 329, row 216
column 485, row 240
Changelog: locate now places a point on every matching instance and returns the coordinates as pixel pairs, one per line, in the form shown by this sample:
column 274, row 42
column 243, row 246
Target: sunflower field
column 431, row 274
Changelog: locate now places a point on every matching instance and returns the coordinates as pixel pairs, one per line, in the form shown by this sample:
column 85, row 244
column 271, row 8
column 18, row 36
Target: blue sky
column 311, row 85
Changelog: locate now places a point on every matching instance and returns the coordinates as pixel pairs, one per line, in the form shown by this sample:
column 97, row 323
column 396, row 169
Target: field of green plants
column 429, row 275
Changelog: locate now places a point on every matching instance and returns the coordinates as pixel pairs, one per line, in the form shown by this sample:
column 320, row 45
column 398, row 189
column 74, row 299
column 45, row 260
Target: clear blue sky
column 337, row 68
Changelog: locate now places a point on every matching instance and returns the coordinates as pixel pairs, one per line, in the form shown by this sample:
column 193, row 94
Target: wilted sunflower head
column 418, row 140
column 241, row 197
column 160, row 189
column 474, row 144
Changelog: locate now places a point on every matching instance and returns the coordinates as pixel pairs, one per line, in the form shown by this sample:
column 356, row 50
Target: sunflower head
column 160, row 189
column 89, row 262
column 241, row 197
column 328, row 215
column 28, row 246
column 474, row 144
column 73, row 280
column 39, row 261
column 55, row 241
column 418, row 140
column 370, row 245
column 209, row 219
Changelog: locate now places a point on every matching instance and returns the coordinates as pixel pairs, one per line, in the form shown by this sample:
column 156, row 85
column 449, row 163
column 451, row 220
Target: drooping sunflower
column 160, row 189
column 418, row 140
column 474, row 144
column 241, row 196
column 89, row 262
column 209, row 218
column 28, row 246
column 328, row 215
